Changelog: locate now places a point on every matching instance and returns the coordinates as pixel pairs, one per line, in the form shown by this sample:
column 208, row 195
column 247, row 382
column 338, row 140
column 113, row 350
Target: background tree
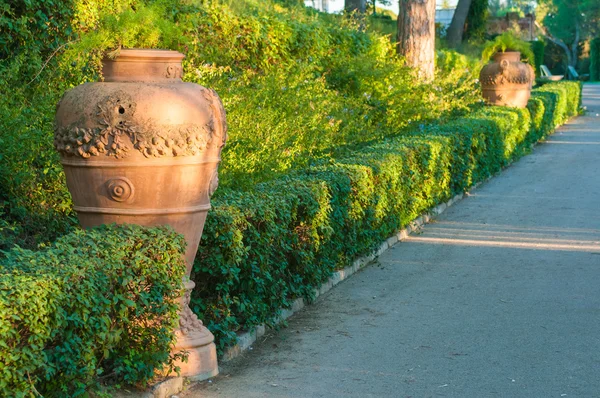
column 454, row 34
column 416, row 35
column 567, row 22
column 355, row 5
column 475, row 26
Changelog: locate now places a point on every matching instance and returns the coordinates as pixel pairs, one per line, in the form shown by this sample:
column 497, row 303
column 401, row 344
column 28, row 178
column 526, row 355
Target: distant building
column 524, row 27
column 443, row 13
column 321, row 5
column 444, row 16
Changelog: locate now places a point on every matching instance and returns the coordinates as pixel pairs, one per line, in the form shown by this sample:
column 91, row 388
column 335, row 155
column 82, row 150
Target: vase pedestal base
column 194, row 339
column 201, row 351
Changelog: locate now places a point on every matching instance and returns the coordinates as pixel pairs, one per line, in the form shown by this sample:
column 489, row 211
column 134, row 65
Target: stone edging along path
column 247, row 339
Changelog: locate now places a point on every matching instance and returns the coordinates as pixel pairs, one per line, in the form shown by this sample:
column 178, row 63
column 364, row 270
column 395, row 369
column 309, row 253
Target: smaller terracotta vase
column 506, row 81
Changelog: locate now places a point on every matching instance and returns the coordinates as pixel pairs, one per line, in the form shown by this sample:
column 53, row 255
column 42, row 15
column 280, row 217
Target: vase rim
column 512, row 56
column 146, row 54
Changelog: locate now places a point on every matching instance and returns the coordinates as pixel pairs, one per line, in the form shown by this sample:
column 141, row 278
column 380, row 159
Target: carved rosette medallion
column 120, row 189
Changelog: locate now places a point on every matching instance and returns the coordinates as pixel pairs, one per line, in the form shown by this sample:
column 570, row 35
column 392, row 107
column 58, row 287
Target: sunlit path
column 500, row 297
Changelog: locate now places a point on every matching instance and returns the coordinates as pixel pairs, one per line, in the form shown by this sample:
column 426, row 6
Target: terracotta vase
column 506, row 81
column 143, row 147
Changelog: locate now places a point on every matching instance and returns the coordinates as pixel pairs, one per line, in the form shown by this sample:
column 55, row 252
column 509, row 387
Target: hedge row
column 262, row 249
column 98, row 304
column 595, row 60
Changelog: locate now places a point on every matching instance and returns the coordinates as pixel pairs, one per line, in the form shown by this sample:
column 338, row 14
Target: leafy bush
column 34, row 26
column 299, row 87
column 265, row 247
column 97, row 303
column 7, row 238
column 595, row 59
column 34, row 193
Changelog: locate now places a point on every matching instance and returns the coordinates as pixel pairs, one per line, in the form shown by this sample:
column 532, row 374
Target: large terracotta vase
column 143, row 147
column 506, row 81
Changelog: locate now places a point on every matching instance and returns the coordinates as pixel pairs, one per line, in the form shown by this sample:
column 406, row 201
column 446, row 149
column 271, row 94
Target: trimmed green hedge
column 97, row 303
column 595, row 60
column 262, row 249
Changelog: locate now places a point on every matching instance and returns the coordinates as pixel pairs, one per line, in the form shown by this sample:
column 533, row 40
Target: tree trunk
column 355, row 5
column 454, row 34
column 574, row 46
column 571, row 52
column 416, row 35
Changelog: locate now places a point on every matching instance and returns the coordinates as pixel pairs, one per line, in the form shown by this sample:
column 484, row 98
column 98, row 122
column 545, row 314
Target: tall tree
column 355, row 5
column 416, row 35
column 567, row 22
column 454, row 34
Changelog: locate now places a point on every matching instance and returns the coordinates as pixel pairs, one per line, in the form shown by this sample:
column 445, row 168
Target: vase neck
column 140, row 65
column 511, row 56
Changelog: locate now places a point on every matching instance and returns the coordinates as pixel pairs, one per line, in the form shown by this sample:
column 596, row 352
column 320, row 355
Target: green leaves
column 103, row 301
column 299, row 88
column 263, row 248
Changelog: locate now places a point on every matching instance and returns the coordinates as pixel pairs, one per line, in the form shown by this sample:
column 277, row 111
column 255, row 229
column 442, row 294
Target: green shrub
column 595, row 60
column 263, row 248
column 97, row 303
column 34, row 193
column 298, row 86
column 34, row 26
column 7, row 234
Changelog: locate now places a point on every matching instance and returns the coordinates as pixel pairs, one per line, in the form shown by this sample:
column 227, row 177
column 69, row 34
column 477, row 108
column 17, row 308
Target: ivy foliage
column 96, row 304
column 262, row 249
column 36, row 27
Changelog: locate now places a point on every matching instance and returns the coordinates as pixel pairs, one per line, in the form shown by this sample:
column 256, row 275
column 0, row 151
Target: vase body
column 506, row 81
column 143, row 147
